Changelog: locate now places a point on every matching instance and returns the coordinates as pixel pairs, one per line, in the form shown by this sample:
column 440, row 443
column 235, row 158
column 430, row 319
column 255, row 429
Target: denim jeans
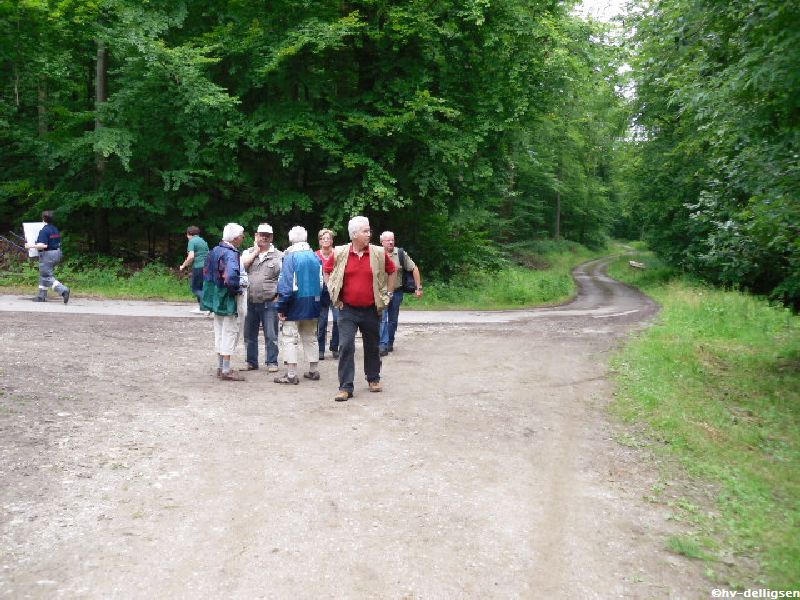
column 261, row 314
column 389, row 321
column 352, row 319
column 196, row 284
column 322, row 324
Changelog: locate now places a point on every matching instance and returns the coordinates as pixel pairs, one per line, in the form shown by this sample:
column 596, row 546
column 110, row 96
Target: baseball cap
column 264, row 228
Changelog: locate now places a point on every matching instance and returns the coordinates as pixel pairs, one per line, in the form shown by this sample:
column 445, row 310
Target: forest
column 470, row 128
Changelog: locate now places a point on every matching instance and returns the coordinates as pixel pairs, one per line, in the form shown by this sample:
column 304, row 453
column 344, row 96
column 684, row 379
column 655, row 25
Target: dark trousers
column 367, row 321
column 322, row 324
column 389, row 321
column 196, row 283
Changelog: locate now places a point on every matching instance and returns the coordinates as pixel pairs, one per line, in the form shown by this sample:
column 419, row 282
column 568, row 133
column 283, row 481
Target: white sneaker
column 196, row 311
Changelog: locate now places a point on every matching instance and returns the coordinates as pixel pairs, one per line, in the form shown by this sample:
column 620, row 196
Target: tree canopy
column 464, row 126
column 717, row 173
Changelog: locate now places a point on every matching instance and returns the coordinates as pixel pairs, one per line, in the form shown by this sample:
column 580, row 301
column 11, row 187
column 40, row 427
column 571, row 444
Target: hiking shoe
column 312, row 375
column 374, row 386
column 343, row 396
column 287, row 380
column 231, row 376
column 65, row 295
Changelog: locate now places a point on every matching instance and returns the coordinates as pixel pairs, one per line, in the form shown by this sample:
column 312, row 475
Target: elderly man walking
column 222, row 291
column 361, row 276
column 263, row 265
column 299, row 290
column 392, row 312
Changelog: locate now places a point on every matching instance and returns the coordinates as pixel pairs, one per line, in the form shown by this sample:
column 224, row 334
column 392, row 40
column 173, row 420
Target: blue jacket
column 300, row 284
column 221, row 280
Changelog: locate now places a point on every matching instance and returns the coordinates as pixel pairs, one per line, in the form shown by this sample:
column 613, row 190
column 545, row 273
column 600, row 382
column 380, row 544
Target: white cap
column 264, row 228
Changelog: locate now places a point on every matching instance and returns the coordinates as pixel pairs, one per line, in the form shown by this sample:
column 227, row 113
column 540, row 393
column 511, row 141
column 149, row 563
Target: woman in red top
column 325, row 254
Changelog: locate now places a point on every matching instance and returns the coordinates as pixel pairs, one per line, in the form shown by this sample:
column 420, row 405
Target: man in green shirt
column 197, row 250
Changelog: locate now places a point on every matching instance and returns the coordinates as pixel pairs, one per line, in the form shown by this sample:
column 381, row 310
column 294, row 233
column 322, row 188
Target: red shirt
column 357, row 285
column 326, row 262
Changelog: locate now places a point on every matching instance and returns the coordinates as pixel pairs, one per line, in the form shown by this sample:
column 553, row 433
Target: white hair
column 297, row 234
column 231, row 232
column 355, row 224
column 386, row 233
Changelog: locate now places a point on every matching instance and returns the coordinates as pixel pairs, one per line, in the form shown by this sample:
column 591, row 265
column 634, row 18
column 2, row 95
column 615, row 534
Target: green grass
column 106, row 278
column 717, row 381
column 546, row 281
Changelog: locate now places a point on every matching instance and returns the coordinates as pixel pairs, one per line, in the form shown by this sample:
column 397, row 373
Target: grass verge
column 105, row 278
column 717, row 383
column 544, row 279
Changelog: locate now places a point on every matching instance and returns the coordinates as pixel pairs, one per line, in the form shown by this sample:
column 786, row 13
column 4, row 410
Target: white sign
column 31, row 233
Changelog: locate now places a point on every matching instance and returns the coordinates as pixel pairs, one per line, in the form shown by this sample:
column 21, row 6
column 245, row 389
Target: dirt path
column 486, row 469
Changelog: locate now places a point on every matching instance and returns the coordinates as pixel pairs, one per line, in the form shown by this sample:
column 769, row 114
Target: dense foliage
column 461, row 125
column 717, row 165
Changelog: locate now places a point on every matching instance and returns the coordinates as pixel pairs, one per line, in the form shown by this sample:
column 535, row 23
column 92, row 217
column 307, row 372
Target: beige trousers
column 293, row 333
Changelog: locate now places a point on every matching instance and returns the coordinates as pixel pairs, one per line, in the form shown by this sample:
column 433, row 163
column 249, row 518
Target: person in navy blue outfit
column 48, row 243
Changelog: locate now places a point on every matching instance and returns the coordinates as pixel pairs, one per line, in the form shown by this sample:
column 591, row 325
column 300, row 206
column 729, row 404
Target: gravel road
column 487, row 468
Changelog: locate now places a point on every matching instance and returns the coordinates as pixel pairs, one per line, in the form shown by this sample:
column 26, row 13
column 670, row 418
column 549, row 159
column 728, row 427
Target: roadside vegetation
column 538, row 274
column 104, row 278
column 716, row 384
column 528, row 275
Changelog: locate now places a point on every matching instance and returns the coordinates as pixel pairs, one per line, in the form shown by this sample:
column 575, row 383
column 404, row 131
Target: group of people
column 289, row 295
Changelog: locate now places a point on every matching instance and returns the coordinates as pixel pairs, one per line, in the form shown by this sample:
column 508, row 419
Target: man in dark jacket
column 222, row 288
column 299, row 290
column 48, row 243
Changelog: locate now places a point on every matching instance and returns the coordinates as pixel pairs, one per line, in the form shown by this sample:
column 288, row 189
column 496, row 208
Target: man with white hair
column 222, row 289
column 299, row 290
column 403, row 263
column 360, row 280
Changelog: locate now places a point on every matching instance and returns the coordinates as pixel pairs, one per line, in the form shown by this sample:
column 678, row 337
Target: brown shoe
column 342, row 396
column 231, row 376
column 374, row 386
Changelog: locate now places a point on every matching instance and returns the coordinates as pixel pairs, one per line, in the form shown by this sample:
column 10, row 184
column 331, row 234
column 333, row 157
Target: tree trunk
column 559, row 175
column 558, row 215
column 42, row 107
column 102, row 234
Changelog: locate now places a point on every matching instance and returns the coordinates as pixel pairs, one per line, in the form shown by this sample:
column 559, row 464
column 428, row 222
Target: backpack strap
column 401, row 255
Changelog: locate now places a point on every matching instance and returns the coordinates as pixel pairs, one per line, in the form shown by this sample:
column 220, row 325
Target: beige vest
column 377, row 259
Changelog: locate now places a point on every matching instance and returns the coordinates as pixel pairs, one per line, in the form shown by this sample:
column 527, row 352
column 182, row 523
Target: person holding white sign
column 48, row 243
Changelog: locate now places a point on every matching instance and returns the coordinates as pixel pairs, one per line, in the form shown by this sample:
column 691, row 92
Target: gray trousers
column 48, row 259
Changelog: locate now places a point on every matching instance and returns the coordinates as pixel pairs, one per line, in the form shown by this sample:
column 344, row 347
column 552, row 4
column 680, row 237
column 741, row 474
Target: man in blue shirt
column 48, row 243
